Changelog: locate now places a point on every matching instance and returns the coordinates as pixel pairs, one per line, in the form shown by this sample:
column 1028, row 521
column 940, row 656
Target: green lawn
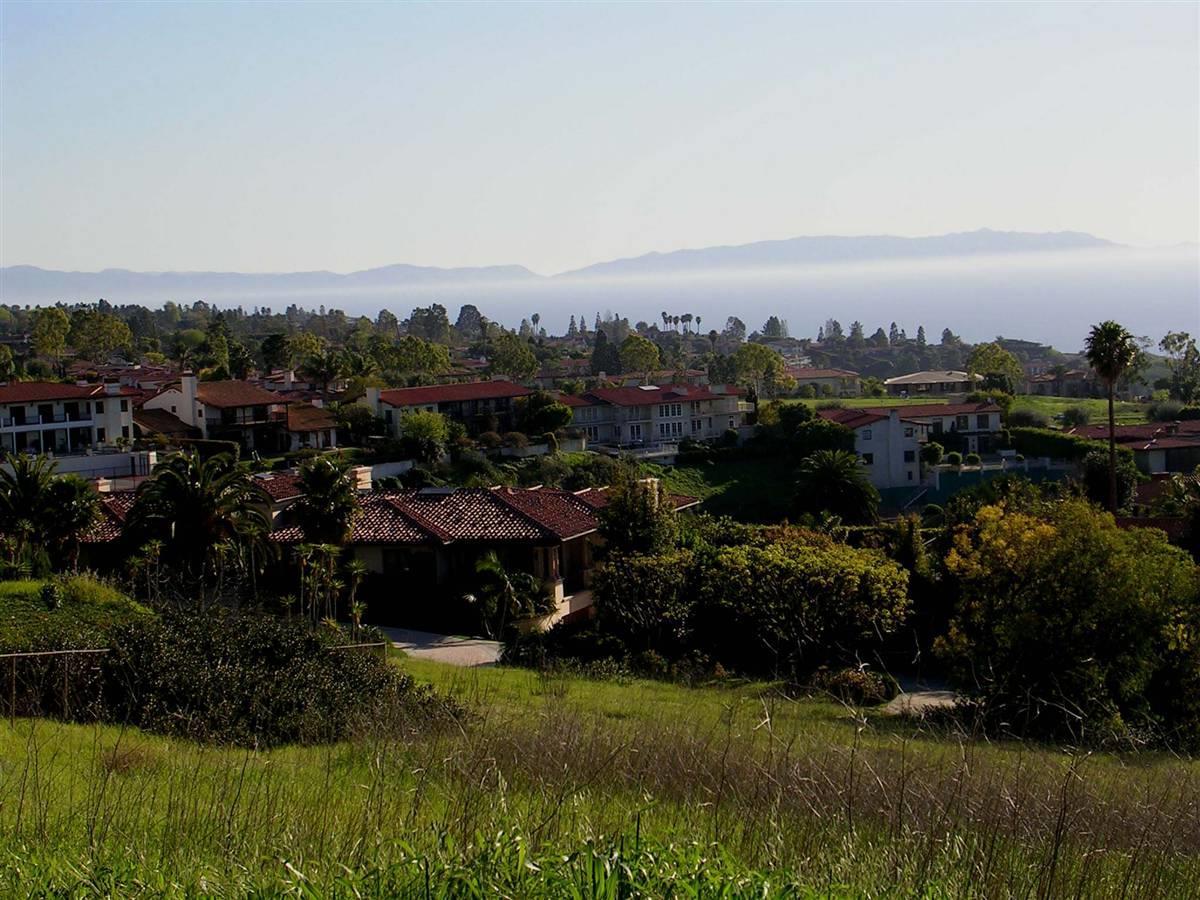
column 562, row 786
column 80, row 614
column 751, row 490
column 1127, row 413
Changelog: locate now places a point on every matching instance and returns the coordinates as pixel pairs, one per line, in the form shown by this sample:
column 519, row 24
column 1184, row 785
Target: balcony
column 35, row 422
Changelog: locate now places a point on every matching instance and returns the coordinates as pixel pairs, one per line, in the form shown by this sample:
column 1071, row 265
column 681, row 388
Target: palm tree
column 198, row 507
column 356, row 571
column 666, row 319
column 25, row 507
column 75, row 507
column 504, row 596
column 329, row 503
column 686, row 319
column 1111, row 351
column 325, row 368
column 833, row 481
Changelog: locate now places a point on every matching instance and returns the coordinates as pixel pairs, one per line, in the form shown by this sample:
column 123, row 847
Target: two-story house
column 226, row 410
column 640, row 416
column 479, row 405
column 888, row 445
column 44, row 417
column 965, row 427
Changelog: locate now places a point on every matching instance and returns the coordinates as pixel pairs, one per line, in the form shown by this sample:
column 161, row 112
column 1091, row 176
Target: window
column 100, row 408
column 696, row 426
column 668, row 410
column 100, row 435
column 732, row 422
column 868, row 459
column 962, row 422
column 981, row 421
column 910, row 475
column 908, row 431
column 173, row 410
column 910, row 455
column 670, row 429
column 592, row 432
column 865, row 434
column 125, row 431
column 125, row 408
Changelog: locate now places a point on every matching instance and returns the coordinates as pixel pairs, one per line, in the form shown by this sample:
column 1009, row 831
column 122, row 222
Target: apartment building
column 965, row 427
column 478, row 405
column 226, row 410
column 639, row 416
column 44, row 417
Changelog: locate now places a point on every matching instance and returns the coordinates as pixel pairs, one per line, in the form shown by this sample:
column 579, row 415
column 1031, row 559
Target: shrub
column 1057, row 445
column 1068, row 626
column 1164, row 411
column 954, row 458
column 1075, row 417
column 932, row 453
column 551, row 441
column 1095, row 477
column 516, row 440
column 856, row 686
column 1027, row 418
column 253, row 680
column 972, row 459
column 489, row 440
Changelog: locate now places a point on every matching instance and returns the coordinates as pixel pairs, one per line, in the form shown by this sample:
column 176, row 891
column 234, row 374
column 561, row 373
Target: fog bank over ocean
column 1051, row 295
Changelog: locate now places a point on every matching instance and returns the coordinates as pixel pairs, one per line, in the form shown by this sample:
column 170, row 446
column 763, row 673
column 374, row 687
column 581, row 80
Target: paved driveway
column 446, row 648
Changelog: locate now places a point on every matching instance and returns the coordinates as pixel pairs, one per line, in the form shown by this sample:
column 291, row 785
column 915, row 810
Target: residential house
column 962, row 427
column 479, row 405
column 1072, row 383
column 948, row 382
column 310, row 426
column 888, row 445
column 649, row 415
column 83, row 426
column 226, row 410
column 1157, row 446
column 826, row 382
column 422, row 546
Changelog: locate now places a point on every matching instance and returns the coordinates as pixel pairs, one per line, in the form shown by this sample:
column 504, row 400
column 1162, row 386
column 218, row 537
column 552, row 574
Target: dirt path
column 447, row 648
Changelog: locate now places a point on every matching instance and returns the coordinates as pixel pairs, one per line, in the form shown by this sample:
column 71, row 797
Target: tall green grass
column 560, row 786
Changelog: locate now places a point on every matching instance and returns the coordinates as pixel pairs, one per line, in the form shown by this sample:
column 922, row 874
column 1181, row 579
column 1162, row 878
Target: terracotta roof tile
column 452, row 393
column 304, row 417
column 224, row 394
column 114, row 508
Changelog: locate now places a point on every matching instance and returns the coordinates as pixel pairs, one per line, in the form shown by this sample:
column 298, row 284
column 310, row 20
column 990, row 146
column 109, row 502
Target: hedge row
column 1034, row 442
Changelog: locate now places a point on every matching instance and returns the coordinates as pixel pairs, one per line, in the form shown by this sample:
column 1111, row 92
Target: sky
column 286, row 137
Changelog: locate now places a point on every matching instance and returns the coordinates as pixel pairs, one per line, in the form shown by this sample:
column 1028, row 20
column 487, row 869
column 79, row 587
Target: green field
column 1127, row 412
column 559, row 786
column 751, row 490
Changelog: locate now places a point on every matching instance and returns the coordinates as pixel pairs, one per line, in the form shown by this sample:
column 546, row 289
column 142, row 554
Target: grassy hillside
column 753, row 490
column 560, row 786
column 76, row 610
column 1127, row 412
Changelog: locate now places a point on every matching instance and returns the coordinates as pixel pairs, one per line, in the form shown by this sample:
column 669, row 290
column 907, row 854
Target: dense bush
column 857, row 686
column 1075, row 417
column 1070, row 627
column 972, row 459
column 770, row 608
column 1095, row 477
column 1164, row 411
column 253, row 680
column 932, row 453
column 1058, row 445
column 954, row 458
column 71, row 611
column 1027, row 418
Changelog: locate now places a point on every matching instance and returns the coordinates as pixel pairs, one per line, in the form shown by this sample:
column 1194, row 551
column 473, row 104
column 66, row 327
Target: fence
column 69, row 684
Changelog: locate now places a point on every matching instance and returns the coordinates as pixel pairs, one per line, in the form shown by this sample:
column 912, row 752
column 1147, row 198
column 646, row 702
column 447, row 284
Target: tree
column 325, row 368
column 25, row 501
column 857, row 338
column 468, row 324
column 921, row 336
column 1066, row 625
column 387, row 324
column 204, row 512
column 51, row 325
column 8, row 365
column 606, row 358
column 1183, row 361
column 1095, row 478
column 328, row 503
column 639, row 354
column 999, row 368
column 540, row 412
column 504, row 598
column 73, row 507
column 511, row 356
column 735, row 329
column 1111, row 350
column 424, row 435
column 275, row 351
column 775, row 327
column 96, row 335
column 431, row 323
column 760, row 367
column 819, row 434
column 835, row 482
column 639, row 517
column 412, row 354
column 303, row 346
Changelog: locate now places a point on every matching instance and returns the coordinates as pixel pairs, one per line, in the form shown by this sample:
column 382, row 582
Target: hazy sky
column 268, row 137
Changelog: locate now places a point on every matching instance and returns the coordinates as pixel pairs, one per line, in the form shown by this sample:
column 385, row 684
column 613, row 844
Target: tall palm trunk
column 1112, row 451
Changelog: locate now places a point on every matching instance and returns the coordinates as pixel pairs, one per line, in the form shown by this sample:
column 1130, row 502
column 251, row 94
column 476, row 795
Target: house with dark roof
column 649, row 416
column 236, row 411
column 422, row 546
column 1157, row 446
column 478, row 405
column 826, row 382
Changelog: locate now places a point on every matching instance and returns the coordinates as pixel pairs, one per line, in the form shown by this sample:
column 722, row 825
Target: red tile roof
column 114, row 508
column 304, row 417
column 452, row 393
column 931, row 410
column 225, row 394
column 633, row 396
column 47, row 391
column 1128, row 434
column 161, row 421
column 280, row 486
column 852, row 418
column 559, row 511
